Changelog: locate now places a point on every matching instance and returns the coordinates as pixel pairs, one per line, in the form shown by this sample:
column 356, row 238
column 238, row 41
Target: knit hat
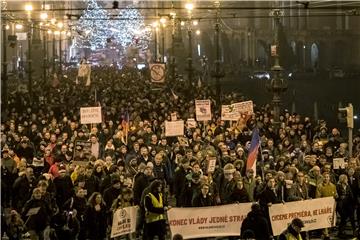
column 229, row 168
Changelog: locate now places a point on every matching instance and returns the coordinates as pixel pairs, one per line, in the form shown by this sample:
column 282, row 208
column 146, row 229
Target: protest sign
column 90, row 115
column 246, row 107
column 191, row 123
column 339, row 163
column 315, row 213
column 157, row 72
column 211, row 166
column 205, row 222
column 234, row 111
column 174, row 128
column 203, row 110
column 124, row 221
column 82, row 152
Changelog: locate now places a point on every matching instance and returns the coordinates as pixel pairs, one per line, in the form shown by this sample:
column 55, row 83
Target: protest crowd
column 61, row 179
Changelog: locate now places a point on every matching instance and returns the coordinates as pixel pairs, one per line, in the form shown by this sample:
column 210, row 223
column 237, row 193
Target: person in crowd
column 326, row 189
column 96, row 218
column 155, row 208
column 345, row 204
column 111, row 193
column 23, row 188
column 37, row 213
column 293, row 230
column 204, row 198
column 299, row 190
column 239, row 194
column 256, row 224
column 180, row 180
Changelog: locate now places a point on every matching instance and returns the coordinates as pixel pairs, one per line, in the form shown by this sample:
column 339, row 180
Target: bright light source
column 63, row 32
column 60, row 25
column 28, row 7
column 7, row 27
column 155, row 24
column 199, row 50
column 43, row 15
column 197, row 32
column 68, row 34
column 57, row 32
column 304, row 46
column 53, row 20
column 195, row 22
column 49, row 32
column 355, row 117
column 189, row 6
column 41, row 23
column 163, row 20
column 182, row 23
column 19, row 26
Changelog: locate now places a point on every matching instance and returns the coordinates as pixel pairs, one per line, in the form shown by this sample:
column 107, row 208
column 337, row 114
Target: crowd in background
column 50, row 192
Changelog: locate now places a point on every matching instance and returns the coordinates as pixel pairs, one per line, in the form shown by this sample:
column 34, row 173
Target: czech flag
column 253, row 151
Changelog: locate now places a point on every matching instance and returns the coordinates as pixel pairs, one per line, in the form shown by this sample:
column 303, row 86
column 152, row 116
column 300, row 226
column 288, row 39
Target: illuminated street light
column 195, row 22
column 53, row 20
column 43, row 15
column 182, row 23
column 57, row 32
column 197, row 32
column 7, row 27
column 18, row 26
column 60, row 25
column 163, row 20
column 189, row 6
column 49, row 32
column 28, row 7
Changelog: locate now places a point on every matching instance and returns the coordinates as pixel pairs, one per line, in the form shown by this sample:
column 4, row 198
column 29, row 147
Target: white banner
column 174, row 128
column 90, row 115
column 203, row 110
column 124, row 221
column 204, row 222
column 315, row 213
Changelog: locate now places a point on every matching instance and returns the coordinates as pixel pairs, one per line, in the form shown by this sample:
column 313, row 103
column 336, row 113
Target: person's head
column 127, row 194
column 36, row 194
column 297, row 224
column 89, row 170
column 185, row 163
column 326, row 177
column 158, row 159
column 115, row 181
column 80, row 192
column 156, row 186
column 148, row 171
column 144, row 151
column 300, row 177
column 93, row 139
column 250, row 173
column 29, row 173
column 240, row 183
column 95, row 199
column 271, row 183
column 196, row 167
column 343, row 179
column 177, row 237
column 205, row 189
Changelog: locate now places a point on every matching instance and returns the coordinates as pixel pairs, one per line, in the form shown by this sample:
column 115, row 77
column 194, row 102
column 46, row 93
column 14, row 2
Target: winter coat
column 258, row 224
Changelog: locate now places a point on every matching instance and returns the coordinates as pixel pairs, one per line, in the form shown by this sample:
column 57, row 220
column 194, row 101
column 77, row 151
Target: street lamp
column 189, row 6
column 29, row 8
column 163, row 25
column 276, row 84
column 156, row 29
column 218, row 74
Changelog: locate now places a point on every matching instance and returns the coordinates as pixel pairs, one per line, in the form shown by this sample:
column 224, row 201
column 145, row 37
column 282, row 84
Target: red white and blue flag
column 253, row 151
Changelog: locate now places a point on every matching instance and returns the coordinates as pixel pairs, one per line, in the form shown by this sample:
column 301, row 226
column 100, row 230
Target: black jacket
column 141, row 181
column 258, row 224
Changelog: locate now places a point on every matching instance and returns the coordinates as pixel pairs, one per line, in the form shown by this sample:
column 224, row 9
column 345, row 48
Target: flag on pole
column 125, row 126
column 253, row 151
column 85, row 72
